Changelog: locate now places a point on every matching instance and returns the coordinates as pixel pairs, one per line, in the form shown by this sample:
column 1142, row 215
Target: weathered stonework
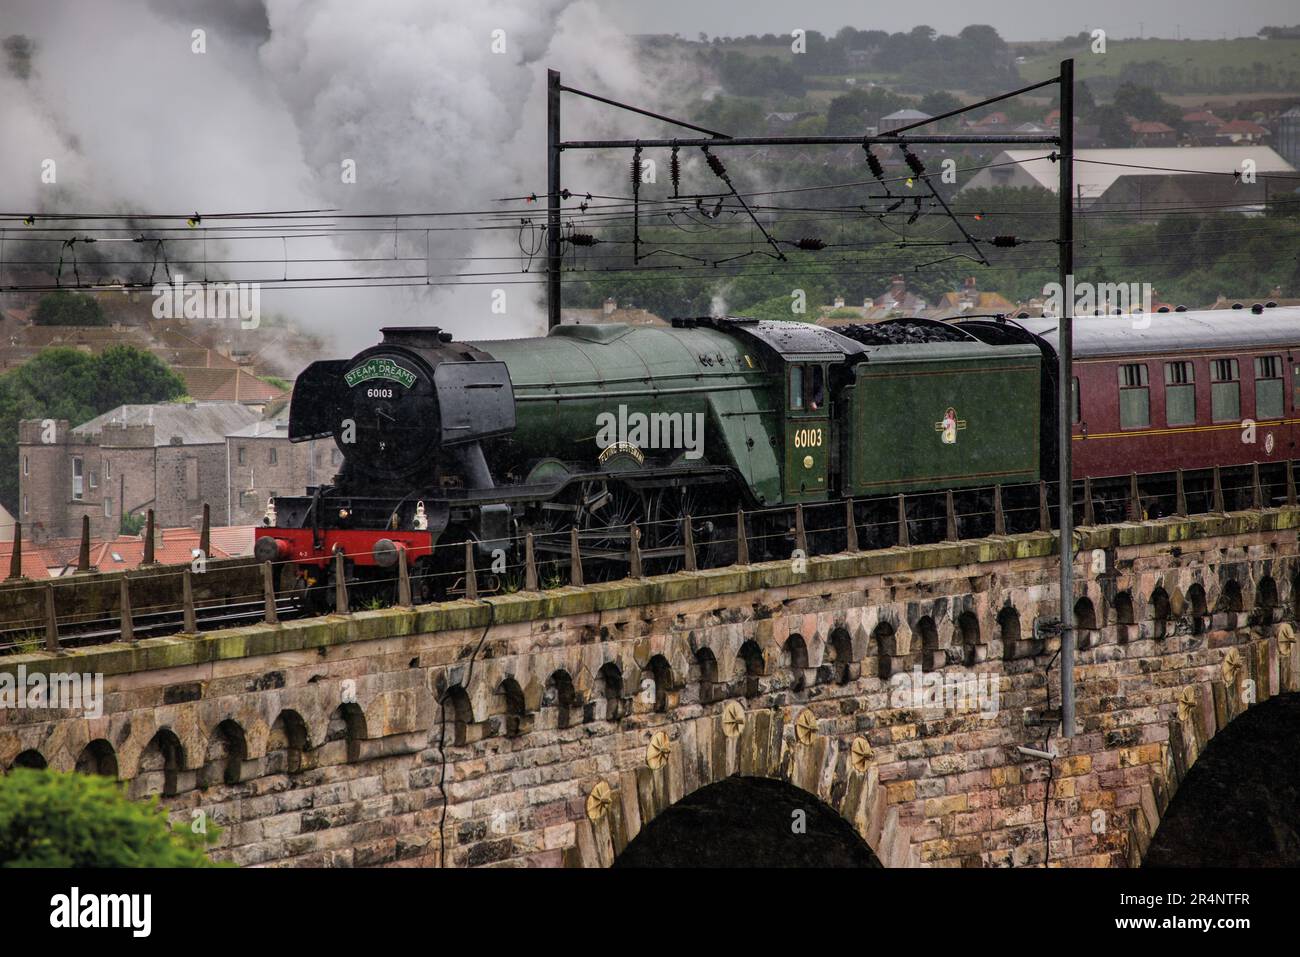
column 322, row 742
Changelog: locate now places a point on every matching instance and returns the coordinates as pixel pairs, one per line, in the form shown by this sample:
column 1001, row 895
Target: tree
column 848, row 113
column 56, row 819
column 63, row 308
column 1146, row 104
column 64, row 383
column 939, row 101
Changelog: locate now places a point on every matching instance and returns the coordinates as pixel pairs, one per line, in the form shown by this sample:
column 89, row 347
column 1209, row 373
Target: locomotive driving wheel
column 667, row 510
column 606, row 511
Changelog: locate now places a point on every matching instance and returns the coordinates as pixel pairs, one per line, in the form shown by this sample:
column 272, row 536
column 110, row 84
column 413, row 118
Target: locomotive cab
column 807, row 429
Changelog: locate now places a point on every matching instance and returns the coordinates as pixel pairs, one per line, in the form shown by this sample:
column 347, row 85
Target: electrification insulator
column 636, row 168
column 914, row 162
column 873, row 163
column 809, row 242
column 582, row 239
column 1005, row 241
column 715, row 164
column 675, row 170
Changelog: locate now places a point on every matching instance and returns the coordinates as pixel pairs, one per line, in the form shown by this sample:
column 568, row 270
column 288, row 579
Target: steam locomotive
column 593, row 427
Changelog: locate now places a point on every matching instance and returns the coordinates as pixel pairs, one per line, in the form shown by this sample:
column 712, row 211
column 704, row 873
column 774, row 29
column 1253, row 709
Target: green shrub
column 55, row 819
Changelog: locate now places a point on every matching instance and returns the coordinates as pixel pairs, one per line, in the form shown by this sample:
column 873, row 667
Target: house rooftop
column 193, row 423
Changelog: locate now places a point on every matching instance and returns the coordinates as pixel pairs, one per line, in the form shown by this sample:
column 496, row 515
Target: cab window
column 807, row 388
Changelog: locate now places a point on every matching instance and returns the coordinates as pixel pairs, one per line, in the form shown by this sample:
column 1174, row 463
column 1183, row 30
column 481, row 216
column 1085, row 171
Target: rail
column 546, row 560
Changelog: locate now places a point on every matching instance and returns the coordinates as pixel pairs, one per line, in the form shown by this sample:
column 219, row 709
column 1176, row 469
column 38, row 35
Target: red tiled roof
column 1202, row 116
column 1242, row 126
column 175, row 546
column 1149, row 126
column 234, row 540
column 35, row 561
column 230, row 385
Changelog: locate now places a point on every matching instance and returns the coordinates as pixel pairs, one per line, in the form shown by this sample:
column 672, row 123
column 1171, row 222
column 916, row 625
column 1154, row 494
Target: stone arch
column 97, row 757
column 288, row 746
column 926, row 635
column 1085, row 622
column 227, row 750
column 31, row 758
column 745, row 821
column 885, row 638
column 1122, row 604
column 347, row 723
column 839, row 665
column 750, row 666
column 611, row 687
column 518, row 720
column 162, row 764
column 1230, row 603
column 1009, row 624
column 704, row 674
column 1161, row 611
column 794, row 658
column 1205, row 711
column 1197, row 607
column 561, row 693
column 661, row 675
column 765, row 745
column 966, row 631
column 458, row 717
column 1266, row 601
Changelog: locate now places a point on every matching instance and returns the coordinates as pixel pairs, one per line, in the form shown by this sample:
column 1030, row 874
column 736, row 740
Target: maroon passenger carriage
column 1154, row 393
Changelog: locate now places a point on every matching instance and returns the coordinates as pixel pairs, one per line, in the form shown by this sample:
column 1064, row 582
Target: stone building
column 170, row 457
column 262, row 462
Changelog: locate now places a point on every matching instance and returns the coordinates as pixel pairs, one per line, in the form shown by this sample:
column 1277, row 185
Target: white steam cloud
column 410, row 90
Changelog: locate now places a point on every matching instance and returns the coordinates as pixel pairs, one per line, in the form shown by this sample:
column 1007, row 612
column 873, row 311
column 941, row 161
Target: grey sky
column 1014, row 19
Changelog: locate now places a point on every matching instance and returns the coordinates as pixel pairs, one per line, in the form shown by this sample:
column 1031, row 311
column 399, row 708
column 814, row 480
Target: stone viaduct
column 550, row 728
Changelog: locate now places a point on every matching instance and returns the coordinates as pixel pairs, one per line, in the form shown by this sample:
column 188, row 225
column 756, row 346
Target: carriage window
column 1074, row 398
column 1225, row 390
column 1134, row 397
column 1180, row 393
column 796, row 387
column 1268, row 387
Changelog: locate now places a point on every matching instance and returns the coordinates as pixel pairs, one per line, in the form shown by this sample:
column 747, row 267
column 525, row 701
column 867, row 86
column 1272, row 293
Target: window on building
column 243, row 455
column 26, row 466
column 1225, row 390
column 1180, row 393
column 108, row 470
column 1269, row 399
column 273, row 455
column 108, row 508
column 335, row 458
column 243, row 499
column 1074, row 399
column 1134, row 396
column 94, row 478
column 78, row 479
column 26, row 510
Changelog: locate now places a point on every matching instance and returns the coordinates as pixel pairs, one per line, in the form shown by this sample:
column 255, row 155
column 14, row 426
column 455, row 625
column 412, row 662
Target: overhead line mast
column 1065, row 263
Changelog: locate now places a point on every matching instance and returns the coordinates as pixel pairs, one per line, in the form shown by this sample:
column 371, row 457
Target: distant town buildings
column 170, row 457
column 1149, row 180
column 611, row 311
